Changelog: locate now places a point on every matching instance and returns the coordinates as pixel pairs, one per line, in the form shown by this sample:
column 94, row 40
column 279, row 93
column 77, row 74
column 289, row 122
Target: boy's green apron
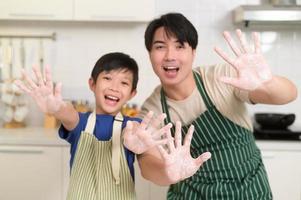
column 235, row 170
column 100, row 170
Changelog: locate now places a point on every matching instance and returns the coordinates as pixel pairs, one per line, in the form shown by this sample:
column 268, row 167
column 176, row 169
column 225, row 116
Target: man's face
column 171, row 61
column 112, row 90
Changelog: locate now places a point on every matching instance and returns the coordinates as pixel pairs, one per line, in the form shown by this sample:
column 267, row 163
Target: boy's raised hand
column 139, row 138
column 178, row 162
column 41, row 90
column 252, row 68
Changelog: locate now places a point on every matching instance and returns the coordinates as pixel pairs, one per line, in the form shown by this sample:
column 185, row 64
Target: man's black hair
column 174, row 24
column 116, row 61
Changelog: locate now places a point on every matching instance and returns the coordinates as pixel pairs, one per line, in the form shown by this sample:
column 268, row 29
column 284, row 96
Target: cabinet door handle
column 31, row 15
column 20, row 151
column 268, row 155
column 112, row 17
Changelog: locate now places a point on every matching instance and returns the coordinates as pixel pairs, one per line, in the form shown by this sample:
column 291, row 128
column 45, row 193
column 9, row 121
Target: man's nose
column 170, row 54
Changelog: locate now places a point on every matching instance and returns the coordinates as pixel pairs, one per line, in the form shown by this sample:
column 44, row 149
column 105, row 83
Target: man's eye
column 180, row 46
column 159, row 47
column 125, row 83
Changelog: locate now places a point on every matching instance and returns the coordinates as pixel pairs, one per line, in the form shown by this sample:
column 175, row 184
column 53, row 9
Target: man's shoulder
column 152, row 103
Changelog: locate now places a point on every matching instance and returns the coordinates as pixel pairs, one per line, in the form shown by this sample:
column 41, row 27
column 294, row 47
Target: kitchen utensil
column 20, row 113
column 274, row 120
column 22, row 54
column 8, row 115
column 41, row 55
column 1, row 61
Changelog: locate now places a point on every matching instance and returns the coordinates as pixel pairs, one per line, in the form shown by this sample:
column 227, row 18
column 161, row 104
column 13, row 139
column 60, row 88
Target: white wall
column 79, row 45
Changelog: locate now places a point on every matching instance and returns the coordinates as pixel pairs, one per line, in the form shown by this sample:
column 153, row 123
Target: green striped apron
column 235, row 170
column 96, row 173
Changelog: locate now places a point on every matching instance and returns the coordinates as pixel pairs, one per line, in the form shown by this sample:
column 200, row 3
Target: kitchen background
column 79, row 44
column 38, row 155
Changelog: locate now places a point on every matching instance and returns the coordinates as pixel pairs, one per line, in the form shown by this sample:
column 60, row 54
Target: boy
column 101, row 167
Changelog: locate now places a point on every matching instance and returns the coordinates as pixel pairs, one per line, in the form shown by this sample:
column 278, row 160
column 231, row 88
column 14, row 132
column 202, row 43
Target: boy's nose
column 114, row 86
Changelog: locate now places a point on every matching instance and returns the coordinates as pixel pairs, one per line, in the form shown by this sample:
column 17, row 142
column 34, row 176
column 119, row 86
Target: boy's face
column 112, row 90
column 171, row 61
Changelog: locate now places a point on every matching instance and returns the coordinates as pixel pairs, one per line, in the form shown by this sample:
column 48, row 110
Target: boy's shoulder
column 128, row 118
column 105, row 117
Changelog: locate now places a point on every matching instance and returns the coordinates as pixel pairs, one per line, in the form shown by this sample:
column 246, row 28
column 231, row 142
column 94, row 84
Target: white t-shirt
column 227, row 99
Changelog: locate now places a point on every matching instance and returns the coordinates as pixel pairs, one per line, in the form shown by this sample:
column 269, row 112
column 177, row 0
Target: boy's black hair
column 175, row 24
column 116, row 61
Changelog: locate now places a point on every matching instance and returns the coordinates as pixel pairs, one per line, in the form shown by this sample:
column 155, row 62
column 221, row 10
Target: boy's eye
column 125, row 83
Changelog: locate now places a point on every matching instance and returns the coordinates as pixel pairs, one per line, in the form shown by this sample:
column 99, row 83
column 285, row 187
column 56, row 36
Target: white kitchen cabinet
column 114, row 10
column 284, row 173
column 78, row 10
column 36, row 10
column 283, row 164
column 32, row 172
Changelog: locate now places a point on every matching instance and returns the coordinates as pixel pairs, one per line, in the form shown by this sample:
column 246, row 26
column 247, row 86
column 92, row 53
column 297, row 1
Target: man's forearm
column 278, row 90
column 153, row 169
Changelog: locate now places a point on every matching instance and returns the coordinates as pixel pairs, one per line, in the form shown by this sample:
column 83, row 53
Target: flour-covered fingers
column 232, row 43
column 21, row 85
column 178, row 134
column 48, row 77
column 188, row 137
column 157, row 121
column 202, row 158
column 159, row 133
column 170, row 144
column 146, row 120
column 224, row 56
column 31, row 84
column 257, row 44
column 40, row 79
column 243, row 41
column 163, row 152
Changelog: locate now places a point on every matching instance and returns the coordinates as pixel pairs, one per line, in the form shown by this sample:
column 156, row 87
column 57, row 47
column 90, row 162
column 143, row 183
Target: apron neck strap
column 116, row 135
column 91, row 123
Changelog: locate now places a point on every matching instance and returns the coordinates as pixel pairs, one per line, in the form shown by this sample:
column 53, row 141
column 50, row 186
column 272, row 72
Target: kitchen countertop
column 36, row 136
column 279, row 145
column 49, row 137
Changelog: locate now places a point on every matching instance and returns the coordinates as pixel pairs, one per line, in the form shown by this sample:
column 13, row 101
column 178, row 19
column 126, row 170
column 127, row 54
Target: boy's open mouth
column 111, row 98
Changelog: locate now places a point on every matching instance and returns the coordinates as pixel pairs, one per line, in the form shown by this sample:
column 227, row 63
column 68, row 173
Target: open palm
column 178, row 162
column 141, row 137
column 252, row 68
column 47, row 99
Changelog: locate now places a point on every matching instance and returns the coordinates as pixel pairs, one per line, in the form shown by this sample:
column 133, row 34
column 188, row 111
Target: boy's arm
column 49, row 98
column 67, row 115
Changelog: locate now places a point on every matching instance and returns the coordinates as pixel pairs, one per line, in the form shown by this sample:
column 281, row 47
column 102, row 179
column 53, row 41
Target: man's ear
column 193, row 53
column 91, row 84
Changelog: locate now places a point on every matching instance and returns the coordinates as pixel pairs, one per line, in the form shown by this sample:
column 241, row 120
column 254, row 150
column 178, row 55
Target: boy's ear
column 91, row 84
column 133, row 93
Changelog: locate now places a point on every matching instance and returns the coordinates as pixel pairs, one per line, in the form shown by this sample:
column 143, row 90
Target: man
column 212, row 100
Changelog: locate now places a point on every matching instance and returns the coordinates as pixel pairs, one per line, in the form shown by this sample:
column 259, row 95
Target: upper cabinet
column 114, row 10
column 36, row 10
column 78, row 10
